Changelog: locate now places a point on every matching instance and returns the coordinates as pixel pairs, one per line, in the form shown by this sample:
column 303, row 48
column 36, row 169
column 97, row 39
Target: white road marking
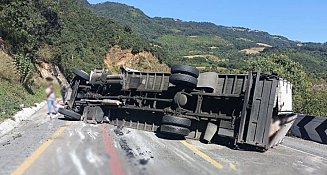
column 81, row 135
column 304, row 152
column 92, row 134
column 184, row 155
column 71, row 133
column 93, row 159
column 77, row 163
column 78, row 130
column 60, row 160
column 95, row 126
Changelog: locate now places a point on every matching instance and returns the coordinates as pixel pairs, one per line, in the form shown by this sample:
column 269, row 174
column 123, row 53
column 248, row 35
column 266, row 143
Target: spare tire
column 175, row 130
column 178, row 121
column 81, row 74
column 184, row 69
column 183, row 80
column 70, row 114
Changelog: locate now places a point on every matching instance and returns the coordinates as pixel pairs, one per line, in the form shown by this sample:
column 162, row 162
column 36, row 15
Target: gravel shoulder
column 23, row 115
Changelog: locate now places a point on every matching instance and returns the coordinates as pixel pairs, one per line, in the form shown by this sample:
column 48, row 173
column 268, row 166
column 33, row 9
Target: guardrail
column 310, row 128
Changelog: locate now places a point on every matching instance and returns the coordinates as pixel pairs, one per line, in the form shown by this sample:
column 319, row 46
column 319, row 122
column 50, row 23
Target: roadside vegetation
column 14, row 95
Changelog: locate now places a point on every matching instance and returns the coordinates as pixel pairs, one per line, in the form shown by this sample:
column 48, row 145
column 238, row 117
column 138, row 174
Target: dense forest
column 74, row 33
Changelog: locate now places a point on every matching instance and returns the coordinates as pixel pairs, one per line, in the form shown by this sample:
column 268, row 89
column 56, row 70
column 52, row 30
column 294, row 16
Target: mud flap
column 93, row 114
column 210, row 131
column 284, row 124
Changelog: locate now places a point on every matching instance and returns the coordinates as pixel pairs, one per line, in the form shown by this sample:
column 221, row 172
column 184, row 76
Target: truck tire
column 69, row 114
column 183, row 80
column 175, row 130
column 81, row 74
column 177, row 121
column 184, row 69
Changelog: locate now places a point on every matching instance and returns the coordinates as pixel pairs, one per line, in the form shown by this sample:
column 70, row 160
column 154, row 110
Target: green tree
column 27, row 25
column 305, row 99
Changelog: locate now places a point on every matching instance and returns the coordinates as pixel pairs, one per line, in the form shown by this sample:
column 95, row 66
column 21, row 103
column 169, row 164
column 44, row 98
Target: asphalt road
column 57, row 146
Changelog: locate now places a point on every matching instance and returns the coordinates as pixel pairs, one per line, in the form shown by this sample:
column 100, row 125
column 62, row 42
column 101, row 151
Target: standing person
column 51, row 99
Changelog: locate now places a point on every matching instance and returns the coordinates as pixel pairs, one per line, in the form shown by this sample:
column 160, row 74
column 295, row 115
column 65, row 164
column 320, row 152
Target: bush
column 24, row 67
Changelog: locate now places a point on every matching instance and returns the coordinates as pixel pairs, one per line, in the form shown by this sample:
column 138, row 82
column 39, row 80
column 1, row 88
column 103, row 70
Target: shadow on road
column 169, row 137
column 65, row 119
column 229, row 143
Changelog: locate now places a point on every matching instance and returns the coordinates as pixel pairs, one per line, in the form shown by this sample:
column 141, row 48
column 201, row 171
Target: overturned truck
column 252, row 110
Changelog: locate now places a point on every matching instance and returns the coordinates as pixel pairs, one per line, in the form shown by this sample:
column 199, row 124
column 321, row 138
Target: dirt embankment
column 48, row 70
column 143, row 61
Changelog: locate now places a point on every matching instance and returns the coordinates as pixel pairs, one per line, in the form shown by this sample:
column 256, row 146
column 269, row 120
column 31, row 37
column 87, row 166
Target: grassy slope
column 12, row 93
column 198, row 51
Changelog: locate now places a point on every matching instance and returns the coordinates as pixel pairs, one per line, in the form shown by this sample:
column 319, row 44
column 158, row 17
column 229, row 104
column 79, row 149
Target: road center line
column 114, row 160
column 232, row 166
column 202, row 154
column 38, row 152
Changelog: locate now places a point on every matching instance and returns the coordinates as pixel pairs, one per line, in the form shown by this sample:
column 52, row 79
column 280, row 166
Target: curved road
column 57, row 146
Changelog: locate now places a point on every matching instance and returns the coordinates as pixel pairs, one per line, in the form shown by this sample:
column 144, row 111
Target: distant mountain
column 208, row 44
column 130, row 16
column 155, row 27
column 85, row 2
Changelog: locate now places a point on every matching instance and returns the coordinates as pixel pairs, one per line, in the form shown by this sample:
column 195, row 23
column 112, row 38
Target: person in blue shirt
column 51, row 100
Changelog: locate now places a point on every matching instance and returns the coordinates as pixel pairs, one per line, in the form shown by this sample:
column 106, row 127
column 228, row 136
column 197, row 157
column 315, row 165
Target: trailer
column 252, row 110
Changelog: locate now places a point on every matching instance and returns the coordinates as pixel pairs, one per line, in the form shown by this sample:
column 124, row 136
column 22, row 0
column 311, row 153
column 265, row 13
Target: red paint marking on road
column 114, row 161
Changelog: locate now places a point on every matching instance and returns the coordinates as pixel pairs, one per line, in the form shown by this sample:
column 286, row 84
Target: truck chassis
column 246, row 108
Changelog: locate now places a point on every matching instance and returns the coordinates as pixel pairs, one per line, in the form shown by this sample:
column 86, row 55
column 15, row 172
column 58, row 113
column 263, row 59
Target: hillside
column 66, row 33
column 155, row 27
column 62, row 32
column 86, row 38
column 131, row 17
column 202, row 41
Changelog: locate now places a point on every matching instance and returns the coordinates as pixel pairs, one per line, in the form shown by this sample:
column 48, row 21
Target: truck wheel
column 175, row 130
column 70, row 114
column 81, row 74
column 184, row 69
column 183, row 80
column 178, row 121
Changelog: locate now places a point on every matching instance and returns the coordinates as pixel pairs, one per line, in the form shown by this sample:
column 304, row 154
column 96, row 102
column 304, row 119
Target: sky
column 301, row 20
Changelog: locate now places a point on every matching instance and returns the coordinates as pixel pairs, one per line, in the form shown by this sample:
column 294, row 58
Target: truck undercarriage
column 252, row 109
